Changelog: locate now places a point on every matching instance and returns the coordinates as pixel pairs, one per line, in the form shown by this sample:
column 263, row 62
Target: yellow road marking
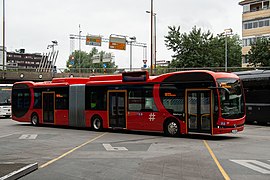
column 70, row 151
column 223, row 172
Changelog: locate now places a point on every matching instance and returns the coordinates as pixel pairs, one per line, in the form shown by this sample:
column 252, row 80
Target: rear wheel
column 172, row 128
column 97, row 123
column 34, row 120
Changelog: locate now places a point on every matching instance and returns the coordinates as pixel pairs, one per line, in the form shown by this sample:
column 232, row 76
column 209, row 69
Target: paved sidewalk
column 11, row 170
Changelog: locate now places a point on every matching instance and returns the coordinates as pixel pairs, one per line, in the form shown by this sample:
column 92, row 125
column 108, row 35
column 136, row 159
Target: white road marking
column 109, row 147
column 6, row 135
column 28, row 136
column 254, row 165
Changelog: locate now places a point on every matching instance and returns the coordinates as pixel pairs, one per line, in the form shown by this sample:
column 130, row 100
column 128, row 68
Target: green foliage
column 85, row 60
column 201, row 49
column 259, row 54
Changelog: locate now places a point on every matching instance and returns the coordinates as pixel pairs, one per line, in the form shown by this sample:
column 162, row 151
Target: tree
column 259, row 54
column 201, row 49
column 83, row 59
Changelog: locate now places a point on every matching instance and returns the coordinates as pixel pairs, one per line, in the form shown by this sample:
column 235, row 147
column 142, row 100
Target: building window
column 266, row 4
column 245, row 59
column 246, row 8
column 261, row 23
column 252, row 40
column 255, row 24
column 249, row 25
column 266, row 22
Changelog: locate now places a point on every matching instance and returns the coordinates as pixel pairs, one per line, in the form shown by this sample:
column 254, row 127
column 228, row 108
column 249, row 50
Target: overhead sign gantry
column 117, row 42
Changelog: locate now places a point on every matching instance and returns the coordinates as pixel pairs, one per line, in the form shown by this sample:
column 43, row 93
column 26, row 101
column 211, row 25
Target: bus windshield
column 231, row 98
column 5, row 95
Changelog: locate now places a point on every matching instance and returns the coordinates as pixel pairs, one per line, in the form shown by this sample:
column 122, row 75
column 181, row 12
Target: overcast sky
column 33, row 24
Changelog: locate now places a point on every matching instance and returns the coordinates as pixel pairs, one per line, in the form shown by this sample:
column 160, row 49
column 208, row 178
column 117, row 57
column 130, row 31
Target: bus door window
column 48, row 107
column 205, row 111
column 117, row 109
column 192, row 111
column 199, row 111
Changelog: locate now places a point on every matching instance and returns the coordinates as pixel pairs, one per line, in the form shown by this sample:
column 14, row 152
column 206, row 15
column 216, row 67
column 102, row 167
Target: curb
column 21, row 172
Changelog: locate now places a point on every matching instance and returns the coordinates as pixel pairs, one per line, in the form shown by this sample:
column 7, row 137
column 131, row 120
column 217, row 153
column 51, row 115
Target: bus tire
column 34, row 119
column 171, row 128
column 97, row 124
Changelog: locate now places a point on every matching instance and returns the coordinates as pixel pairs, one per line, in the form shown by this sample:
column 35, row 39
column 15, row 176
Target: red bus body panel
column 143, row 121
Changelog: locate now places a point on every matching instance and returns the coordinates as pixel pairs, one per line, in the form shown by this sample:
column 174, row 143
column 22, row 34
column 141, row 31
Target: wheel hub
column 172, row 128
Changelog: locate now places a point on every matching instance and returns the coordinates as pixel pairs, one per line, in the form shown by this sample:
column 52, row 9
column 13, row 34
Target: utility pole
column 4, row 35
column 226, row 53
column 80, row 48
column 151, row 55
column 132, row 39
column 155, row 39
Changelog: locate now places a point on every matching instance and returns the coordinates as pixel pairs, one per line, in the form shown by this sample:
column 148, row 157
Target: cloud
column 32, row 24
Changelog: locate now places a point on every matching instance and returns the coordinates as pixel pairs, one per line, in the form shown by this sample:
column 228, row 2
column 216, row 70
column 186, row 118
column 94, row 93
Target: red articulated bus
column 174, row 103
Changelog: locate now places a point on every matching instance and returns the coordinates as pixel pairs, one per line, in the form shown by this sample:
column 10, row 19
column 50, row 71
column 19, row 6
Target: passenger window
column 141, row 99
column 172, row 98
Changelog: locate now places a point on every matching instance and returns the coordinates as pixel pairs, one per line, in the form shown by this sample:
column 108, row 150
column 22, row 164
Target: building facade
column 31, row 61
column 255, row 24
column 22, row 60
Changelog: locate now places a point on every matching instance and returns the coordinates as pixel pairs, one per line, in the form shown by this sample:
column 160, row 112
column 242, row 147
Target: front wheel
column 34, row 120
column 97, row 123
column 171, row 128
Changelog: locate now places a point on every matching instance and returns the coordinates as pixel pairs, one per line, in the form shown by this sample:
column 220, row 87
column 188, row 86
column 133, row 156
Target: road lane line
column 6, row 135
column 223, row 172
column 70, row 151
column 3, row 136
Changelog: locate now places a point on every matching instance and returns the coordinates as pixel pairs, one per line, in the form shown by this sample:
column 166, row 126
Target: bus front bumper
column 224, row 129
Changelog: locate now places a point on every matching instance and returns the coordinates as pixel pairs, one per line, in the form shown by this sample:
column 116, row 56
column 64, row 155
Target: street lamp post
column 226, row 53
column 227, row 32
column 54, row 43
column 155, row 39
column 132, row 39
column 151, row 56
column 153, row 42
column 80, row 48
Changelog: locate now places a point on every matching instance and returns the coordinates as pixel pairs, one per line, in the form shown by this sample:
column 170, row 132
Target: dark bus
column 257, row 91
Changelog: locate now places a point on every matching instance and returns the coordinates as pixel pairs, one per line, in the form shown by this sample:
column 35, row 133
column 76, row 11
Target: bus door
column 198, row 110
column 117, row 106
column 48, row 107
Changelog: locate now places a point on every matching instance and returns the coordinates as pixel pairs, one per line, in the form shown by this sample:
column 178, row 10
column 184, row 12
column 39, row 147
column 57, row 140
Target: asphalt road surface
column 68, row 153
